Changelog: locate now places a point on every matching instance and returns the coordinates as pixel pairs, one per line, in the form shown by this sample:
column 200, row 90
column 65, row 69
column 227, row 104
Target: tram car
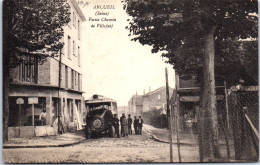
column 100, row 115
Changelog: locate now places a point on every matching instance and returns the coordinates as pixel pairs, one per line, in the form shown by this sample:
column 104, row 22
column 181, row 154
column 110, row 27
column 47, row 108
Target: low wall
column 28, row 132
column 155, row 118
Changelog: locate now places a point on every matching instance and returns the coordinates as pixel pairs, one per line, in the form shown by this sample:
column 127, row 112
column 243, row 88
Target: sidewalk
column 162, row 135
column 66, row 139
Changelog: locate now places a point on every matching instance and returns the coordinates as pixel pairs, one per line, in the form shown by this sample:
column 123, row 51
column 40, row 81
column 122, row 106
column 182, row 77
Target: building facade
column 135, row 105
column 56, row 80
column 151, row 106
column 123, row 109
column 155, row 99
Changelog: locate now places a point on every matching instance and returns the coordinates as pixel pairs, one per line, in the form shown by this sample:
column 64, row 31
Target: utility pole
column 59, row 100
column 136, row 103
column 176, row 114
column 169, row 115
column 226, row 99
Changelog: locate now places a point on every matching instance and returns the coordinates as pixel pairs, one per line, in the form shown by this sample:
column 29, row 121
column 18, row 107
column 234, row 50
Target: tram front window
column 96, row 106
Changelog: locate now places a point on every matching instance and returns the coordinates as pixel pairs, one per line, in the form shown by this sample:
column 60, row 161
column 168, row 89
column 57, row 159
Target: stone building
column 152, row 100
column 155, row 99
column 151, row 106
column 41, row 82
column 135, row 105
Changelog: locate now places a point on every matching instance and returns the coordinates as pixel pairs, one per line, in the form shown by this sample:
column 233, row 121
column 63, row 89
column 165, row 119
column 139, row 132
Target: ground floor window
column 70, row 109
column 26, row 112
column 78, row 104
column 55, row 106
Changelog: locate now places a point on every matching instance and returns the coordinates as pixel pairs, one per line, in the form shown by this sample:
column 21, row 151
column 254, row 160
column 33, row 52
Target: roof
column 100, row 99
column 76, row 6
column 157, row 90
column 139, row 99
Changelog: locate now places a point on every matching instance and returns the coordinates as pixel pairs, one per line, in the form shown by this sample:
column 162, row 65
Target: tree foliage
column 178, row 27
column 31, row 26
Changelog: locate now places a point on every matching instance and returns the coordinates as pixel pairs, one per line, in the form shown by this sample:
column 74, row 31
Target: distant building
column 41, row 81
column 151, row 106
column 123, row 109
column 155, row 99
column 135, row 105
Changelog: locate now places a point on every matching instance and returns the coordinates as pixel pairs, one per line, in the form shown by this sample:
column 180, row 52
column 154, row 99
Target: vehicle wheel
column 112, row 131
column 88, row 133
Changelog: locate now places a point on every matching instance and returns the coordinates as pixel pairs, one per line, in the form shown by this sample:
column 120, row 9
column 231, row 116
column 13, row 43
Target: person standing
column 116, row 125
column 123, row 123
column 136, row 125
column 129, row 121
column 122, row 129
column 140, row 125
column 42, row 117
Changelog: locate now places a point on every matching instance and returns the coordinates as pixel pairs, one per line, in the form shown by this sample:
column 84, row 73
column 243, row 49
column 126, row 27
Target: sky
column 113, row 65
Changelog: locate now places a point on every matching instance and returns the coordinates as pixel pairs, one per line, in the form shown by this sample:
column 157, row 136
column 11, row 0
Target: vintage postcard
column 130, row 81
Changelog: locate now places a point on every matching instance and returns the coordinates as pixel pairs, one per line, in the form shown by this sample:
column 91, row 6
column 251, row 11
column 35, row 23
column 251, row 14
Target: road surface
column 134, row 148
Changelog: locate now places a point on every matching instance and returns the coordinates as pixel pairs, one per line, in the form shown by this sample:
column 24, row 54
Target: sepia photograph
column 130, row 81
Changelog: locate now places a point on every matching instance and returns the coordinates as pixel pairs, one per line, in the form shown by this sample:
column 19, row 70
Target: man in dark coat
column 123, row 123
column 140, row 125
column 129, row 121
column 116, row 125
column 136, row 125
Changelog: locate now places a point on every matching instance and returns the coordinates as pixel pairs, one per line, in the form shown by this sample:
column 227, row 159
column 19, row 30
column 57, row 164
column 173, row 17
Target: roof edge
column 76, row 6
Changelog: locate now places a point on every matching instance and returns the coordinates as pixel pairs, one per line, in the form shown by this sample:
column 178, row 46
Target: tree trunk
column 6, row 60
column 208, row 111
column 5, row 103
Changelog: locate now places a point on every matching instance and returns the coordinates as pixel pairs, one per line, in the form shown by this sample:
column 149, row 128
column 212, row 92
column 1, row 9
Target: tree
column 239, row 60
column 30, row 28
column 191, row 32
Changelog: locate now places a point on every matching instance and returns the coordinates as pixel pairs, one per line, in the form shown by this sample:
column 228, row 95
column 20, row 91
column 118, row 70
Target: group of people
column 126, row 125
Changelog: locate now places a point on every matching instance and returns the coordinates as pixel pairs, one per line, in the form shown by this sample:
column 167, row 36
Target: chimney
column 144, row 91
column 149, row 89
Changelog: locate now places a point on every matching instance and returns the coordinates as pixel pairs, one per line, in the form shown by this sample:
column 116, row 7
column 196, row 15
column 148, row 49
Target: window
column 75, row 76
column 159, row 97
column 66, row 76
column 79, row 56
column 26, row 113
column 70, row 109
column 72, row 79
column 78, row 104
column 55, row 105
column 79, row 30
column 28, row 69
column 69, row 9
column 79, row 83
column 73, row 18
column 69, row 47
column 73, row 48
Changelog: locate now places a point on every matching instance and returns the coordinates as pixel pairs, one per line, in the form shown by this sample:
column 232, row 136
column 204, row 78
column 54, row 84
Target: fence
column 155, row 118
column 237, row 128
